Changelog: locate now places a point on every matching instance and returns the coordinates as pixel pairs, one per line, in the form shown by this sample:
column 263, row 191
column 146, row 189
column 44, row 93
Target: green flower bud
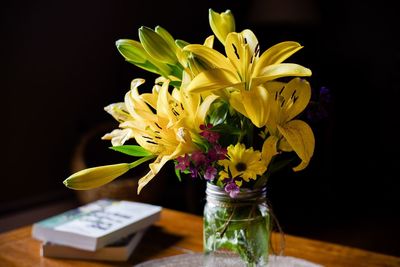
column 156, row 46
column 221, row 24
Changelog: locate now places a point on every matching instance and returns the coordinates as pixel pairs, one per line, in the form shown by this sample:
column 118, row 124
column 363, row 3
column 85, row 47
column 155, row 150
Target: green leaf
column 226, row 129
column 176, row 84
column 132, row 150
column 178, row 174
column 218, row 115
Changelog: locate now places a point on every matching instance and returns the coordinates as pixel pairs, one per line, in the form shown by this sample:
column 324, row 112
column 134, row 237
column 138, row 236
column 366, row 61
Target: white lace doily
column 197, row 260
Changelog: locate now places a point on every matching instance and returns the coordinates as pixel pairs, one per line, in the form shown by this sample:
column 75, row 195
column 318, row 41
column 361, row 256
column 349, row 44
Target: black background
column 59, row 68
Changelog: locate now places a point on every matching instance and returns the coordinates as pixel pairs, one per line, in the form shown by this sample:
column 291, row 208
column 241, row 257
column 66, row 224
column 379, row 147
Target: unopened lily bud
column 156, row 46
column 167, row 37
column 221, row 24
column 131, row 50
column 95, row 177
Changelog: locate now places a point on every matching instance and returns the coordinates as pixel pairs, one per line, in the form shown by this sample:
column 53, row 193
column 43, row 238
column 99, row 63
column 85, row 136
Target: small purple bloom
column 198, row 158
column 183, row 163
column 210, row 173
column 194, row 172
column 232, row 189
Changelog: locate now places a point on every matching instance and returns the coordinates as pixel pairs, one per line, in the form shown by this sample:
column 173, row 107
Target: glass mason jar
column 236, row 229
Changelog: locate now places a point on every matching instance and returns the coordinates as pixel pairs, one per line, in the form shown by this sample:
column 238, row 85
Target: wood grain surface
column 178, row 233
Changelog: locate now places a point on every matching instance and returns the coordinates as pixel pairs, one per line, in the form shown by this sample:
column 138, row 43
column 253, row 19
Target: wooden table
column 178, row 233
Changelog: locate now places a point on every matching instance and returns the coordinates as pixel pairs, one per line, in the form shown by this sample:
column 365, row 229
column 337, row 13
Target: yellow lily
column 167, row 133
column 243, row 71
column 221, row 24
column 287, row 101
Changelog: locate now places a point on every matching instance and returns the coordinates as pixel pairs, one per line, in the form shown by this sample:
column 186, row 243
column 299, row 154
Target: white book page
column 101, row 221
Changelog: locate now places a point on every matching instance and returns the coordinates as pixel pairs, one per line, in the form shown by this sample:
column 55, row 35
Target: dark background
column 60, row 67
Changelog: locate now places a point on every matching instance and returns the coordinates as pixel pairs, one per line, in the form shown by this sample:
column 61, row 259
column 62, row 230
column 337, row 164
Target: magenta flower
column 183, row 163
column 198, row 158
column 210, row 136
column 221, row 151
column 216, row 153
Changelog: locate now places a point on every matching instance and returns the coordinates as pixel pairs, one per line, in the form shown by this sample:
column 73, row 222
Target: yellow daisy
column 242, row 162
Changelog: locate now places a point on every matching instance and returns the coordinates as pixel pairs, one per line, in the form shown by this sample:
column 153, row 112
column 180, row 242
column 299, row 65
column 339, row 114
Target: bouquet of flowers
column 225, row 118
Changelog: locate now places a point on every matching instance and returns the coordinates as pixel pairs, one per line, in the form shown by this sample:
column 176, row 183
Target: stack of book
column 102, row 230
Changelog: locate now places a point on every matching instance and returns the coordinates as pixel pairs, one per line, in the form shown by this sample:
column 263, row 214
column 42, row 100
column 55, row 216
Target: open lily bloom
column 288, row 101
column 239, row 75
column 168, row 133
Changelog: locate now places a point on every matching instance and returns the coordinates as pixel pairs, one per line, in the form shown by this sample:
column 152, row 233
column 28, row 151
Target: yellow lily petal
column 210, row 56
column 196, row 64
column 151, row 99
column 221, row 24
column 284, row 145
column 95, row 177
column 251, row 39
column 276, row 54
column 273, row 72
column 297, row 94
column 142, row 138
column 269, row 149
column 273, row 87
column 213, row 79
column 118, row 137
column 135, row 105
column 235, row 100
column 163, row 103
column 238, row 53
column 118, row 111
column 203, row 109
column 209, row 42
column 189, row 101
column 160, row 161
column 155, row 167
column 300, row 136
column 256, row 105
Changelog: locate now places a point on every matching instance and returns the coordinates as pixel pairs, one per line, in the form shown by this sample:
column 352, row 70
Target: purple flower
column 232, row 189
column 198, row 158
column 183, row 163
column 210, row 173
column 194, row 172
